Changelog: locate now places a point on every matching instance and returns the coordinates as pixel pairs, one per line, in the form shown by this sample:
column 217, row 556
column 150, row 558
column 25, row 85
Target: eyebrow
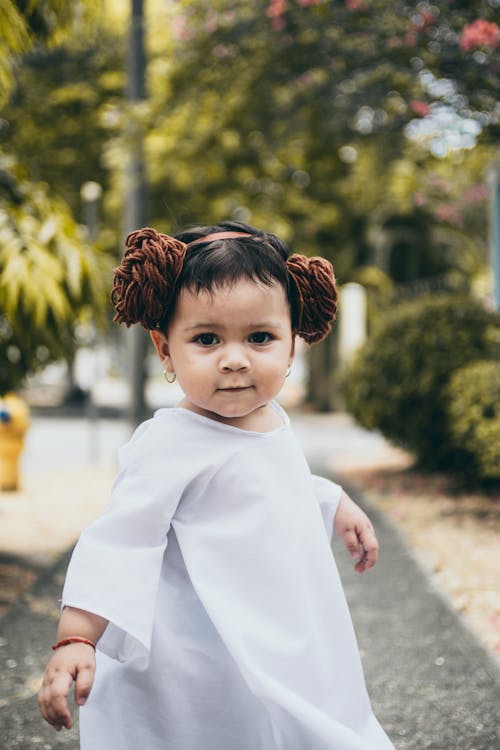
column 262, row 325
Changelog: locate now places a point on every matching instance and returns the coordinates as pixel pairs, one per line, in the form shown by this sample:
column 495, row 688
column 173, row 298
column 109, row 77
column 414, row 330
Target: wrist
column 73, row 639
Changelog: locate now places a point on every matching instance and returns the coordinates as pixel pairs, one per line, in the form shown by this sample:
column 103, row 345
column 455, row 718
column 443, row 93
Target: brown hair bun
column 315, row 283
column 144, row 282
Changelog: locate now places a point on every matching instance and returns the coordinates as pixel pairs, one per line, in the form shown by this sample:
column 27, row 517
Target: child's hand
column 356, row 531
column 72, row 663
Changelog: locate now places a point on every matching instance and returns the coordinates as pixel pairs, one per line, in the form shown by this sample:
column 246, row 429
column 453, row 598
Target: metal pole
column 91, row 193
column 135, row 202
column 494, row 183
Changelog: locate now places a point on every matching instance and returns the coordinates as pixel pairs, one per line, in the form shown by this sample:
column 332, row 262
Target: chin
column 221, row 413
column 233, row 413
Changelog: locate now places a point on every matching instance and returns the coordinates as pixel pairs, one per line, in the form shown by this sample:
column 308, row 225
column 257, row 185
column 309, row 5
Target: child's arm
column 355, row 529
column 72, row 663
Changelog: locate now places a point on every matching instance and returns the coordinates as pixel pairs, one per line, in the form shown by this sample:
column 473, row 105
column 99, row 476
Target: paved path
column 432, row 684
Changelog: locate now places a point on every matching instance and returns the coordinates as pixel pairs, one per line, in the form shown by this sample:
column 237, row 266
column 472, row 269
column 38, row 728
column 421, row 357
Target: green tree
column 269, row 108
column 24, row 23
column 60, row 113
column 294, row 115
column 50, row 275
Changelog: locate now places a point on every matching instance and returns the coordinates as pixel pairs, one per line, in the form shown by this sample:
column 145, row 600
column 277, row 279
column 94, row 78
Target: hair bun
column 144, row 282
column 315, row 283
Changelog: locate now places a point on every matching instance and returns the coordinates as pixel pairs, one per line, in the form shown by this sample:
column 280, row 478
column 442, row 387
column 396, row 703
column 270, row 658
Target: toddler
column 203, row 609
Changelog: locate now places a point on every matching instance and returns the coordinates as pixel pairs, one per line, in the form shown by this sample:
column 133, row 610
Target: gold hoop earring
column 169, row 376
column 288, row 371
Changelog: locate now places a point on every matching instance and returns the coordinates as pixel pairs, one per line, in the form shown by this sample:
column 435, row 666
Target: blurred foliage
column 62, row 110
column 49, row 277
column 399, row 381
column 23, row 23
column 291, row 115
column 294, row 116
column 474, row 413
column 273, row 122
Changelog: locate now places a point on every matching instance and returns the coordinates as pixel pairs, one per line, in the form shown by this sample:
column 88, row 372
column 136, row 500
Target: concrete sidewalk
column 431, row 683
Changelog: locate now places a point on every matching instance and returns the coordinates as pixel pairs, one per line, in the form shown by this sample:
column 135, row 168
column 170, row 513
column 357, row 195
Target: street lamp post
column 135, row 210
column 90, row 193
column 494, row 183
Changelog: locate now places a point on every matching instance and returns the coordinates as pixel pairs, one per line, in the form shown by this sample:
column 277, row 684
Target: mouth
column 235, row 389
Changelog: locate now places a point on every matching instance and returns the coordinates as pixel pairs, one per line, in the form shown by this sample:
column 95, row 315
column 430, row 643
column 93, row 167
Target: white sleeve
column 116, row 565
column 328, row 494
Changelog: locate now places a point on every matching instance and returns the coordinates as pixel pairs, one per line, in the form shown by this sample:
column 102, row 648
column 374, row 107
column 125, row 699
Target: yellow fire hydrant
column 14, row 421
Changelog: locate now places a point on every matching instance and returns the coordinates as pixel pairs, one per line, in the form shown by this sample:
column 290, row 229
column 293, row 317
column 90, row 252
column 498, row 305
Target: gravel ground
column 455, row 536
column 16, row 575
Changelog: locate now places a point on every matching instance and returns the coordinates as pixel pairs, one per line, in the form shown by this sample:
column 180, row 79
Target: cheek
column 275, row 369
column 195, row 370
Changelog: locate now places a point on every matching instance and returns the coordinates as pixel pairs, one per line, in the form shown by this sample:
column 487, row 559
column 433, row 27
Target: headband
column 144, row 287
column 219, row 236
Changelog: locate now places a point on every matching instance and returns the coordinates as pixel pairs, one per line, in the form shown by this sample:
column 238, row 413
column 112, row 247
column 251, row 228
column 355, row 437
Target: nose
column 233, row 358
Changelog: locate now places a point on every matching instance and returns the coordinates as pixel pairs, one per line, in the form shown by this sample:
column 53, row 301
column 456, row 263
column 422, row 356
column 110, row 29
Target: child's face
column 230, row 349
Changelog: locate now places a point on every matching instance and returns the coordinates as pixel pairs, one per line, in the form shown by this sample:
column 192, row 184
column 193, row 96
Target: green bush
column 398, row 382
column 474, row 415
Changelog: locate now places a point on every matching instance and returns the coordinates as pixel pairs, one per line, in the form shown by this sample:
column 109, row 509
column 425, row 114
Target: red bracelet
column 73, row 639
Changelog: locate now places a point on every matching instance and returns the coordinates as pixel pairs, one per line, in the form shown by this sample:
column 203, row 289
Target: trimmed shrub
column 398, row 382
column 474, row 415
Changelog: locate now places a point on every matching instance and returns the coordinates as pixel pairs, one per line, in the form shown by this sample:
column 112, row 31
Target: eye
column 207, row 339
column 260, row 337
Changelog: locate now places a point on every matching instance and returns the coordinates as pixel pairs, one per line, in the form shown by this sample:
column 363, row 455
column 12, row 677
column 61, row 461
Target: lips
column 235, row 389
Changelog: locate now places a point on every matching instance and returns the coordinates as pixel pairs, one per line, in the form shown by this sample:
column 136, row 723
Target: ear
column 160, row 343
column 292, row 350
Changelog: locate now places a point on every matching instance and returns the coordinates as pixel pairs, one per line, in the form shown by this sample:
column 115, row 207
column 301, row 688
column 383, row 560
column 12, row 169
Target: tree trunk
column 322, row 395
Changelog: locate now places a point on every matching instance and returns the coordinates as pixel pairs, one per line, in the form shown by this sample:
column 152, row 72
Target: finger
column 83, row 684
column 361, row 565
column 57, row 719
column 59, row 716
column 352, row 543
column 369, row 544
column 55, row 706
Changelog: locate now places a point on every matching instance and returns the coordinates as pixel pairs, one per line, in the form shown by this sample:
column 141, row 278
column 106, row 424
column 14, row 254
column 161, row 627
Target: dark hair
column 260, row 257
column 155, row 267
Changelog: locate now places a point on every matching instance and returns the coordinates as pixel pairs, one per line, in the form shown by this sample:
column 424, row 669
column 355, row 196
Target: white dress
column 228, row 627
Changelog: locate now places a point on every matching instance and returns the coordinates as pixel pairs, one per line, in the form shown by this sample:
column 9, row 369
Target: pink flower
column 475, row 194
column 353, row 5
column 411, row 38
column 394, row 41
column 428, row 19
column 421, row 109
column 481, row 33
column 419, row 199
column 449, row 213
column 276, row 8
column 220, row 50
column 212, row 23
column 180, row 30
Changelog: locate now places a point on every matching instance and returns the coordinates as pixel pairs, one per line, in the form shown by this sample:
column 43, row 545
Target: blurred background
column 366, row 132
